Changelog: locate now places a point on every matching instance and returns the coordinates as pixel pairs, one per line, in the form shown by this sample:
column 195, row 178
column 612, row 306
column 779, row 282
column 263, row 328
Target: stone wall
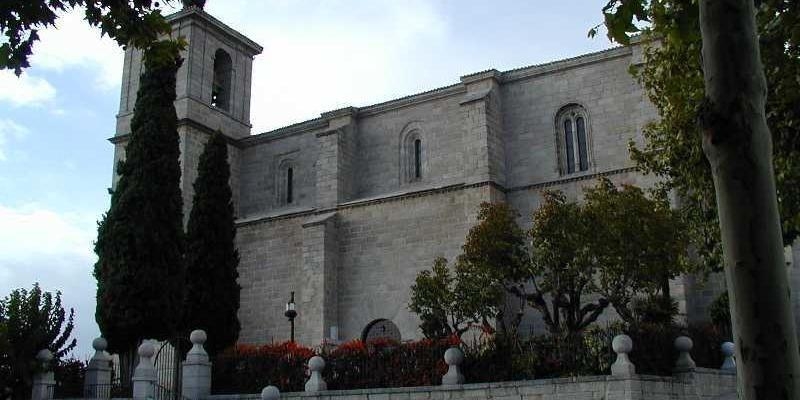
column 350, row 266
column 259, row 169
column 699, row 385
column 378, row 163
column 616, row 106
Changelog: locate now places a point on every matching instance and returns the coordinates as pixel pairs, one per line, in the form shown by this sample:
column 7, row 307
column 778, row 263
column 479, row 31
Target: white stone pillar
column 453, row 357
column 729, row 364
column 684, row 363
column 144, row 376
column 315, row 382
column 97, row 382
column 43, row 382
column 622, row 345
column 196, row 369
column 270, row 393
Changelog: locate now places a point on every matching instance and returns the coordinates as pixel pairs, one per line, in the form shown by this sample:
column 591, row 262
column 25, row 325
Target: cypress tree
column 211, row 291
column 140, row 239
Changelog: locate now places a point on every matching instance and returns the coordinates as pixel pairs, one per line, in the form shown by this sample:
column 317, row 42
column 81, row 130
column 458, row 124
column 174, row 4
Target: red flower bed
column 248, row 368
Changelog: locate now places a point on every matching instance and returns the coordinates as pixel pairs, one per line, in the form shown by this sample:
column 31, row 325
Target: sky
column 319, row 55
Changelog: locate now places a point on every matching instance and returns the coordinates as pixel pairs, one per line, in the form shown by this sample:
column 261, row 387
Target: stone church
column 345, row 209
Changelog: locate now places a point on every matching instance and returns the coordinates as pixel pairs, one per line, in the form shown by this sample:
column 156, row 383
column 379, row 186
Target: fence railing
column 107, row 391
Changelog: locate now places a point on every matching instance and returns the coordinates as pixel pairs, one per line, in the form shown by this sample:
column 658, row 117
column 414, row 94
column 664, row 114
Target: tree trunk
column 737, row 143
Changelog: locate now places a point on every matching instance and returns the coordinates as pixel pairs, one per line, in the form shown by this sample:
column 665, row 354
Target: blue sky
column 55, row 162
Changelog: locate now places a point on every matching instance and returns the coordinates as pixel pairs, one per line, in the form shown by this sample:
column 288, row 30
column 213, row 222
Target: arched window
column 418, row 158
column 286, row 183
column 221, row 87
column 289, row 185
column 413, row 150
column 573, row 139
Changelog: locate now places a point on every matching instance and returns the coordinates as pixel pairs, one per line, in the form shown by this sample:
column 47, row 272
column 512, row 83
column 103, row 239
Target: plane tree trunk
column 738, row 145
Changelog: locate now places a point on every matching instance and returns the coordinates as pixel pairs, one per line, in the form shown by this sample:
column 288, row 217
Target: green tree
column 745, row 138
column 433, row 299
column 29, row 322
column 616, row 246
column 638, row 243
column 473, row 294
column 562, row 271
column 494, row 257
column 211, row 293
column 140, row 240
column 136, row 23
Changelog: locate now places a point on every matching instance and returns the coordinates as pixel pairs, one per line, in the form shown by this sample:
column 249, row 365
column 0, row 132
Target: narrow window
column 221, row 86
column 289, row 188
column 568, row 146
column 418, row 158
column 583, row 161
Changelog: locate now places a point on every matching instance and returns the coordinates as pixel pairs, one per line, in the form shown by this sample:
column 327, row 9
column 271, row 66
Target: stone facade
column 347, row 208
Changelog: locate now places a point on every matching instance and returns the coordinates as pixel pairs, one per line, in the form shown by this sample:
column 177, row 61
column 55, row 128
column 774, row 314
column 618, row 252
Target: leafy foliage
column 29, row 322
column 433, row 300
column 136, row 23
column 618, row 244
column 140, row 241
column 494, row 252
column 69, row 375
column 673, row 79
column 247, row 368
column 637, row 242
column 562, row 267
column 211, row 298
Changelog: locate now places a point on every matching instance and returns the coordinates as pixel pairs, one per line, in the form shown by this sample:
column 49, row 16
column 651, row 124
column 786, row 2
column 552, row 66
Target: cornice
column 567, row 63
column 434, row 94
column 181, row 122
column 294, row 129
column 195, row 12
column 556, row 182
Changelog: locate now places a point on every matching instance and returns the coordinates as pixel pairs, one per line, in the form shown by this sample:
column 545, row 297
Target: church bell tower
column 212, row 88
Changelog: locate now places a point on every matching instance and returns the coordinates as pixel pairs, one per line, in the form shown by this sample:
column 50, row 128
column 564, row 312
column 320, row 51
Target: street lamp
column 291, row 313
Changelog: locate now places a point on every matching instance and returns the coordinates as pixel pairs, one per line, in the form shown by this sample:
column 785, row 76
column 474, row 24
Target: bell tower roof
column 191, row 15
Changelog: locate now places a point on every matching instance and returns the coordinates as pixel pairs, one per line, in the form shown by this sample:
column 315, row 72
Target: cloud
column 73, row 43
column 54, row 249
column 332, row 59
column 25, row 90
column 10, row 130
column 31, row 231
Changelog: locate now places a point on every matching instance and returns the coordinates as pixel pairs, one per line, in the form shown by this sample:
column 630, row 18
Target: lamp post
column 291, row 313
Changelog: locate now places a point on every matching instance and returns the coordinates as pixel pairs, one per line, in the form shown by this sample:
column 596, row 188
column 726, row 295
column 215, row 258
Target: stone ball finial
column 315, row 381
column 44, row 355
column 146, row 350
column 316, row 363
column 728, row 349
column 622, row 366
column 99, row 344
column 683, row 344
column 270, row 393
column 198, row 336
column 622, row 344
column 453, row 356
column 193, row 3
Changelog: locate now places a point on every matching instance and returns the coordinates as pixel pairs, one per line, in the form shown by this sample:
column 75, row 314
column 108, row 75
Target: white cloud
column 25, row 90
column 10, row 130
column 330, row 59
column 31, row 231
column 74, row 43
column 54, row 249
